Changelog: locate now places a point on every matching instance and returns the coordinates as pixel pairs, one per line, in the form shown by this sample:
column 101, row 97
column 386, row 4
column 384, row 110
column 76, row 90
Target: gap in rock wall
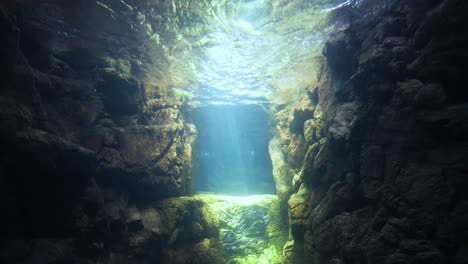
column 231, row 151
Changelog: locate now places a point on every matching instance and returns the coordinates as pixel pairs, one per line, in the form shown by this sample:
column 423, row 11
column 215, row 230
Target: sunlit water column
column 231, row 150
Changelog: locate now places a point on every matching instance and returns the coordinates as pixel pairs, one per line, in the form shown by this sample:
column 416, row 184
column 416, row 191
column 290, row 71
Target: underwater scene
column 233, row 131
column 230, row 155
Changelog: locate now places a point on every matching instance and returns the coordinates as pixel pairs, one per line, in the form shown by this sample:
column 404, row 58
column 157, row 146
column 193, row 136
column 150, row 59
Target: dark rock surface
column 385, row 180
column 85, row 134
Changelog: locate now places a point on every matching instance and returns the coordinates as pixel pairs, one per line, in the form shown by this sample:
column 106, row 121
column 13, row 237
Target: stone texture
column 41, row 190
column 87, row 136
column 251, row 228
column 379, row 149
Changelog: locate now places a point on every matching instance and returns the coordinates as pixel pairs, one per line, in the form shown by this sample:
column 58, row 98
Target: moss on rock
column 251, row 228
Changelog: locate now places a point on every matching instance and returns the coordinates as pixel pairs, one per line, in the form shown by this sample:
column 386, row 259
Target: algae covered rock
column 310, row 131
column 192, row 218
column 189, row 230
column 282, row 172
column 152, row 220
column 251, row 227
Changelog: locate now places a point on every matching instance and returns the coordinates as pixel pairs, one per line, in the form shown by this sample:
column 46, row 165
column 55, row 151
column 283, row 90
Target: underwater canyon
column 234, row 131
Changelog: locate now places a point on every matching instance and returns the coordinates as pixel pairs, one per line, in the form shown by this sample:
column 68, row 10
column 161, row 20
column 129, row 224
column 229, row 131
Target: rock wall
column 86, row 132
column 380, row 161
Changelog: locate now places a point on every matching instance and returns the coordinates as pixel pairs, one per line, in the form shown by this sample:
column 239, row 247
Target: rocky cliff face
column 384, row 156
column 86, row 133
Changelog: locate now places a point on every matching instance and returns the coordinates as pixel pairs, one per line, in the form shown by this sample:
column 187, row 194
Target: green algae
column 251, row 230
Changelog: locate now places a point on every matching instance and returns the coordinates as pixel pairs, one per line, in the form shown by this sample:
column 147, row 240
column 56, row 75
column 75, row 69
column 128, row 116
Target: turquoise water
column 231, row 152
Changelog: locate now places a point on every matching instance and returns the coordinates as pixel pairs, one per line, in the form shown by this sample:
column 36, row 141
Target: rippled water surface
column 234, row 51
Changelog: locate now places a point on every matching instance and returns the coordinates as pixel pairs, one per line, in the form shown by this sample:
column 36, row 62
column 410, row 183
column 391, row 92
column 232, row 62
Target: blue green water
column 231, row 152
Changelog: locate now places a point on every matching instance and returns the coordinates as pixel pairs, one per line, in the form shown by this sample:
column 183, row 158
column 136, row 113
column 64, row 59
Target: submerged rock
column 251, row 227
column 379, row 151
